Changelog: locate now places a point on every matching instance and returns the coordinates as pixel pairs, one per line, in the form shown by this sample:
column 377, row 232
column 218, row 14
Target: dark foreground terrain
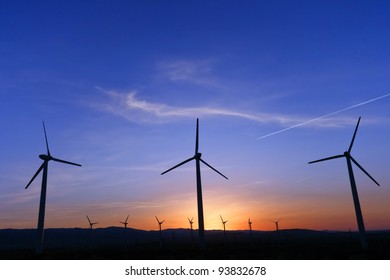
column 177, row 244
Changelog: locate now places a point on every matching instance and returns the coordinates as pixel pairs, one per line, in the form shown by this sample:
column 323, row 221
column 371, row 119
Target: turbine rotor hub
column 45, row 157
column 198, row 155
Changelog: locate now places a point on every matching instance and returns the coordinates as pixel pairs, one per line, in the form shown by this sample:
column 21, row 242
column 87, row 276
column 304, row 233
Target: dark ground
column 110, row 244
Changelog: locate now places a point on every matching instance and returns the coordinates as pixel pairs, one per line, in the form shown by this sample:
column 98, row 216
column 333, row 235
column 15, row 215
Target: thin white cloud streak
column 130, row 107
column 324, row 116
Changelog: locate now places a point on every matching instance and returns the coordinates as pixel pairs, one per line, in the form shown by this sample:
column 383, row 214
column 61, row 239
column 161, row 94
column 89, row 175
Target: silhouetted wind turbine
column 198, row 159
column 90, row 223
column 192, row 232
column 224, row 228
column 125, row 223
column 358, row 211
column 159, row 224
column 42, row 204
column 277, row 230
column 91, row 231
column 250, row 228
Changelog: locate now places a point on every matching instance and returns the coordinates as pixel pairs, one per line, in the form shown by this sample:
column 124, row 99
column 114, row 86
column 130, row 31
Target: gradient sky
column 120, row 84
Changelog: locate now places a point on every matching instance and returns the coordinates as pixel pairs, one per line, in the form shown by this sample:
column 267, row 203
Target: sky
column 120, row 84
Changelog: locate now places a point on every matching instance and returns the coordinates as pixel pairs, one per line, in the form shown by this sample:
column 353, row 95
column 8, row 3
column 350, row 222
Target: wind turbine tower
column 358, row 211
column 42, row 204
column 198, row 159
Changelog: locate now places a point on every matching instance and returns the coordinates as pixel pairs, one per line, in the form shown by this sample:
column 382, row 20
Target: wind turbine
column 358, row 211
column 159, row 224
column 224, row 228
column 250, row 228
column 42, row 204
column 91, row 230
column 192, row 232
column 90, row 223
column 125, row 223
column 198, row 159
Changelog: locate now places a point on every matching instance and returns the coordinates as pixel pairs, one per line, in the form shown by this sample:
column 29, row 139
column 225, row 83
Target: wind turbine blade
column 157, row 219
column 88, row 220
column 187, row 160
column 221, row 218
column 328, row 158
column 358, row 165
column 47, row 144
column 35, row 175
column 197, row 137
column 354, row 134
column 127, row 218
column 67, row 162
column 214, row 169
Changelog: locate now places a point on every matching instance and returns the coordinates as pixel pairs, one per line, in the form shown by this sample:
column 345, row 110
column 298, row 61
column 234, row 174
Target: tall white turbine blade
column 64, row 161
column 47, row 144
column 36, row 174
column 187, row 160
column 362, row 169
column 197, row 137
column 214, row 169
column 328, row 158
column 354, row 135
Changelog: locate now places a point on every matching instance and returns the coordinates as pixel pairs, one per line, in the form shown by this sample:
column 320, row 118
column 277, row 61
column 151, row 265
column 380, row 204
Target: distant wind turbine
column 192, row 232
column 42, row 204
column 125, row 223
column 358, row 211
column 250, row 224
column 159, row 225
column 277, row 230
column 91, row 223
column 198, row 159
column 250, row 228
column 91, row 230
column 224, row 228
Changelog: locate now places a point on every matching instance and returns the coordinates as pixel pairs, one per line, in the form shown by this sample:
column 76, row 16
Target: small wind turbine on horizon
column 192, row 231
column 198, row 159
column 250, row 229
column 42, row 204
column 277, row 230
column 91, row 223
column 91, row 231
column 159, row 225
column 358, row 211
column 224, row 228
column 125, row 223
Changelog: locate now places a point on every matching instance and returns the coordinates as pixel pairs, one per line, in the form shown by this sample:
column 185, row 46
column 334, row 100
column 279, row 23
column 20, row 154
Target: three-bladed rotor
column 197, row 155
column 347, row 154
column 46, row 158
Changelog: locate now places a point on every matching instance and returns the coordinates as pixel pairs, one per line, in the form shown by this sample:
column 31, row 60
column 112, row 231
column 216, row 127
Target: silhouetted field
column 111, row 244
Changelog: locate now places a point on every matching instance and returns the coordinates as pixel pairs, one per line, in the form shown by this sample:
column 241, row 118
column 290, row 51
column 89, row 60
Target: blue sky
column 120, row 84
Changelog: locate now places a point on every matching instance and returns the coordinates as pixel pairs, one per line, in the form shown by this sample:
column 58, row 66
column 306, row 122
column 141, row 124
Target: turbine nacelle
column 197, row 155
column 45, row 157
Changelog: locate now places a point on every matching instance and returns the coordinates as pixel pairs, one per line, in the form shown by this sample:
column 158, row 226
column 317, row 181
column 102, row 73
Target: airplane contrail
column 327, row 115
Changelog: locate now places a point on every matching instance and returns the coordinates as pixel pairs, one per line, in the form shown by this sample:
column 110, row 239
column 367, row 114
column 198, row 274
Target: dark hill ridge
column 111, row 243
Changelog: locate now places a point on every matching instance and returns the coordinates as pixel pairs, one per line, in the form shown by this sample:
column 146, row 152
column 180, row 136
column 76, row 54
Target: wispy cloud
column 129, row 106
column 198, row 72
